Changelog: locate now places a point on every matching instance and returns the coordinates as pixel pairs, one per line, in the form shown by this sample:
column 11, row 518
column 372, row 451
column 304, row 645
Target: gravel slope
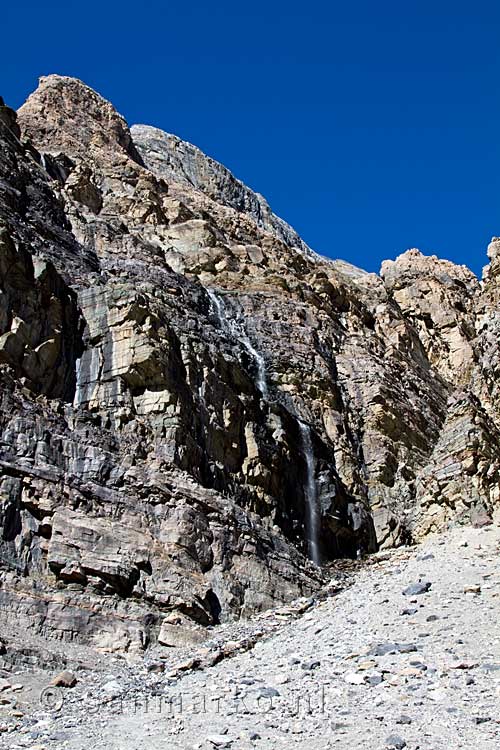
column 370, row 667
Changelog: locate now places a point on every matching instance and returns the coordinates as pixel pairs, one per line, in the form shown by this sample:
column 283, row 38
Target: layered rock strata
column 166, row 342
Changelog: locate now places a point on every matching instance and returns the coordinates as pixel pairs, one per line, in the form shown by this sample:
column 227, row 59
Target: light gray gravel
column 372, row 668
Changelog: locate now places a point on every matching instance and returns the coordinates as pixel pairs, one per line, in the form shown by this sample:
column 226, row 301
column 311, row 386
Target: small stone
column 406, row 648
column 367, row 665
column 374, row 679
column 309, row 665
column 438, row 695
column 416, row 589
column 113, row 688
column 403, row 719
column 231, row 647
column 64, row 679
column 185, row 666
column 463, row 665
column 353, row 678
column 176, row 636
column 156, row 667
column 410, row 672
column 419, row 665
column 220, row 740
column 382, row 649
column 472, row 589
column 212, row 658
column 394, row 741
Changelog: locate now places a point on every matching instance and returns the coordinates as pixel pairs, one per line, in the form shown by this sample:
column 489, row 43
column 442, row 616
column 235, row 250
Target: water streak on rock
column 236, row 328
column 313, row 520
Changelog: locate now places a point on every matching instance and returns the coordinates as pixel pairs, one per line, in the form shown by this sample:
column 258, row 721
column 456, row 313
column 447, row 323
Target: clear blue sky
column 370, row 126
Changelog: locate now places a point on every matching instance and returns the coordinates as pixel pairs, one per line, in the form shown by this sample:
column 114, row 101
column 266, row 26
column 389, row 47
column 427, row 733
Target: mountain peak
column 64, row 114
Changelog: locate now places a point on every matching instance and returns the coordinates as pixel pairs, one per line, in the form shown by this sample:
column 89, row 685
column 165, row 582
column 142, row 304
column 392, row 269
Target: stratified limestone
column 162, row 336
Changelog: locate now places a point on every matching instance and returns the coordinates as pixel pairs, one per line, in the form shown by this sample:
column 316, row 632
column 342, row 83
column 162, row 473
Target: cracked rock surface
column 189, row 394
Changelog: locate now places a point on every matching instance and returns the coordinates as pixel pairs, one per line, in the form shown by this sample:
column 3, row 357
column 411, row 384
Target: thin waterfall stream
column 313, row 520
column 238, row 330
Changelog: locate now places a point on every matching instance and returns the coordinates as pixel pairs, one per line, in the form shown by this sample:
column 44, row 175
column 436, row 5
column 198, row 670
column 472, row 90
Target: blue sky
column 370, row 127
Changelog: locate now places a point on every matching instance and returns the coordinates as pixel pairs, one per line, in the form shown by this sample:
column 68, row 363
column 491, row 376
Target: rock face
column 185, row 385
column 436, row 296
column 181, row 162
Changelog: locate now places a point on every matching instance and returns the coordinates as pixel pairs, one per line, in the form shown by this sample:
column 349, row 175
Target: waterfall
column 237, row 329
column 201, row 394
column 259, row 362
column 313, row 520
column 218, row 308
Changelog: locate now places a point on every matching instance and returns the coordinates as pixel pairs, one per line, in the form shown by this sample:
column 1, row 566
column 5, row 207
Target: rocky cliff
column 194, row 403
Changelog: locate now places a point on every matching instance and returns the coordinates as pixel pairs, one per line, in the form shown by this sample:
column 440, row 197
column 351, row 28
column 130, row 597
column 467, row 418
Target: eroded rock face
column 437, row 297
column 40, row 321
column 462, row 480
column 163, row 336
column 181, row 162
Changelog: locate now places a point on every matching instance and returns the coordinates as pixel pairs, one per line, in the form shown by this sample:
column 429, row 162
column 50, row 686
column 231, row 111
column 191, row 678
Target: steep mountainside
column 194, row 402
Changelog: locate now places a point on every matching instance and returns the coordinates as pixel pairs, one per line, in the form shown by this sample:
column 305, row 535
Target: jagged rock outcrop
column 182, row 379
column 485, row 380
column 462, row 479
column 437, row 297
column 40, row 321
